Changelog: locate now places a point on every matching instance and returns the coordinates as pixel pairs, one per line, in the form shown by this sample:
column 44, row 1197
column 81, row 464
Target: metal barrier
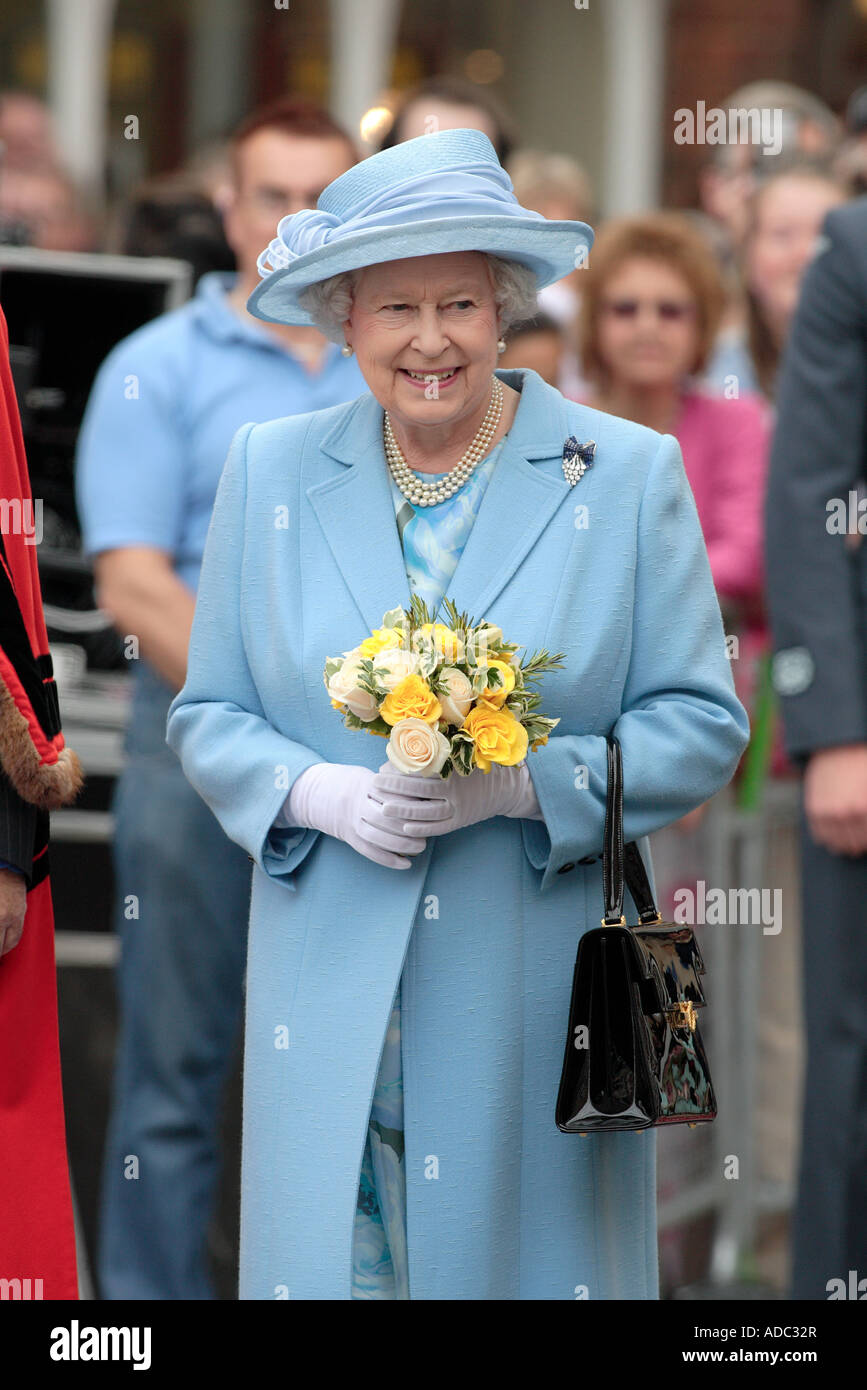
column 738, row 850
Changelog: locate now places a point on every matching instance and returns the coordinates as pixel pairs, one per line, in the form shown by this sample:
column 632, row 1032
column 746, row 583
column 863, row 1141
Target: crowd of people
column 680, row 320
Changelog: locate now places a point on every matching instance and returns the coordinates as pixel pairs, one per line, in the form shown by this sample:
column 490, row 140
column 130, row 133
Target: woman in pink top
column 652, row 301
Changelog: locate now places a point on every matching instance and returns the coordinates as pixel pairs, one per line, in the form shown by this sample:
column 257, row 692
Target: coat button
column 589, row 859
column 564, row 868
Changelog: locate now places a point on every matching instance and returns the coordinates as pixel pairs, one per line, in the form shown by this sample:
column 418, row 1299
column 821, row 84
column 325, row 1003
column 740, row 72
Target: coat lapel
column 356, row 512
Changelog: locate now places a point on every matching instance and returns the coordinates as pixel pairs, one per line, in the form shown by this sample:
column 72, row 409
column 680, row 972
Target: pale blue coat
column 302, row 559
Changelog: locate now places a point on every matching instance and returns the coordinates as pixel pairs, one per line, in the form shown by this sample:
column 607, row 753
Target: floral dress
column 433, row 539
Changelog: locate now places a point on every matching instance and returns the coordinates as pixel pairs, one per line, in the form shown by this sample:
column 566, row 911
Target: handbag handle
column 619, row 859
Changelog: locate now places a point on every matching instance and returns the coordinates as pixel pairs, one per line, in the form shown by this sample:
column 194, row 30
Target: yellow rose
column 448, row 646
column 497, row 697
column 497, row 735
column 380, row 638
column 411, row 698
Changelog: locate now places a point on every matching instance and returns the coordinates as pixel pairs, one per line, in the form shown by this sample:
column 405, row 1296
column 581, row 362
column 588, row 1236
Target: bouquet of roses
column 448, row 696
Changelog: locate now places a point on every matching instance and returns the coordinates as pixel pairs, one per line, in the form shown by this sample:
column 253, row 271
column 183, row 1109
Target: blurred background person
column 559, row 188
column 27, row 134
column 733, row 172
column 451, row 103
column 651, row 303
column 783, row 217
column 163, row 410
column 44, row 209
column 40, row 204
column 538, row 343
column 817, row 584
column 783, row 221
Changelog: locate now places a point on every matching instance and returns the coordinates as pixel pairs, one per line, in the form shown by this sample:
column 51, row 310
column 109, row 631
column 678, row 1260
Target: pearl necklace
column 428, row 494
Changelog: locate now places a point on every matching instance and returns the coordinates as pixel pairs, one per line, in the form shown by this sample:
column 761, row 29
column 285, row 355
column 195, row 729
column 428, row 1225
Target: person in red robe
column 38, row 773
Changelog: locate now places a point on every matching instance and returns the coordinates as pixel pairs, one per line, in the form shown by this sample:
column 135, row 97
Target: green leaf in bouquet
column 462, row 753
column 460, row 622
column 463, row 760
column 540, row 662
column 419, row 615
column 368, row 677
column 371, row 726
column 496, row 679
column 539, row 726
column 395, row 617
column 451, row 612
column 428, row 659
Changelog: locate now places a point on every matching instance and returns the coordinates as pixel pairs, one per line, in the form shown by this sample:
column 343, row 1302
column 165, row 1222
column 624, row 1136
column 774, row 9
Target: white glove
column 346, row 801
column 504, row 791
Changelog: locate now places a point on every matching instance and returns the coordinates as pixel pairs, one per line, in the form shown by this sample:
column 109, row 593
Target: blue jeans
column 182, row 901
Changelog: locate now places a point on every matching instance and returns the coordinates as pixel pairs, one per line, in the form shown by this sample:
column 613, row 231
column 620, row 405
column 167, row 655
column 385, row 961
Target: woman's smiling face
column 425, row 332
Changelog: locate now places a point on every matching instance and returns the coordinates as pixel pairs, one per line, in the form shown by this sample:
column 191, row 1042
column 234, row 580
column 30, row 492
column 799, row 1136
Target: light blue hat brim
column 551, row 249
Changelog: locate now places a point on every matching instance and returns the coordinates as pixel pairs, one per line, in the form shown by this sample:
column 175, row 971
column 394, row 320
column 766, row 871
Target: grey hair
column 329, row 302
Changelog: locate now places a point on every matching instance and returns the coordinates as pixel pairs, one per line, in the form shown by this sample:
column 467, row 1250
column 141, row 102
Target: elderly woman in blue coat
column 412, row 939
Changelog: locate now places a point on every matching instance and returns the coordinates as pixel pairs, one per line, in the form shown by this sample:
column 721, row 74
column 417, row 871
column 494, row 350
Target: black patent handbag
column 634, row 1055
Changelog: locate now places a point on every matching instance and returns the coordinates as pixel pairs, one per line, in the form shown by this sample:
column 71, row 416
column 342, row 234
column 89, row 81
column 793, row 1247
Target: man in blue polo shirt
column 164, row 407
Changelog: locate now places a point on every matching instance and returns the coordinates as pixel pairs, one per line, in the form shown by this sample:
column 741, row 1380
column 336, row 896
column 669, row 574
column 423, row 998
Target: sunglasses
column 669, row 310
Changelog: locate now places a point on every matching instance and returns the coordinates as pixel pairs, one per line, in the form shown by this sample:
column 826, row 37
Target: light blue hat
column 441, row 192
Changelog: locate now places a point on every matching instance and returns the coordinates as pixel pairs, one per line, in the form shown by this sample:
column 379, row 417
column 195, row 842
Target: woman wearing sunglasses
column 652, row 302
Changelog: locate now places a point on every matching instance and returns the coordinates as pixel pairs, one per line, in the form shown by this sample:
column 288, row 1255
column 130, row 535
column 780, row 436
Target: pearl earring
column 501, row 345
column 346, row 350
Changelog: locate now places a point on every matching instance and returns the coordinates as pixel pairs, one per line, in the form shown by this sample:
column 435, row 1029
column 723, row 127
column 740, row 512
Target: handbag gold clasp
column 682, row 1015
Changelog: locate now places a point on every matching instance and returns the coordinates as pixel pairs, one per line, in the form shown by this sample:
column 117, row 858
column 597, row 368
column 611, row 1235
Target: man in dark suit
column 816, row 519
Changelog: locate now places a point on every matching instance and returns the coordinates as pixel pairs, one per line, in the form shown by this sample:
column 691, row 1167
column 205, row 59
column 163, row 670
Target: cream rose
column 456, row 704
column 400, row 662
column 344, row 686
column 417, row 748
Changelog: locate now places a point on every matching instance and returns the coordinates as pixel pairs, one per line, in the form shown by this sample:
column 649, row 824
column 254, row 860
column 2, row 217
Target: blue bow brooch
column 577, row 458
